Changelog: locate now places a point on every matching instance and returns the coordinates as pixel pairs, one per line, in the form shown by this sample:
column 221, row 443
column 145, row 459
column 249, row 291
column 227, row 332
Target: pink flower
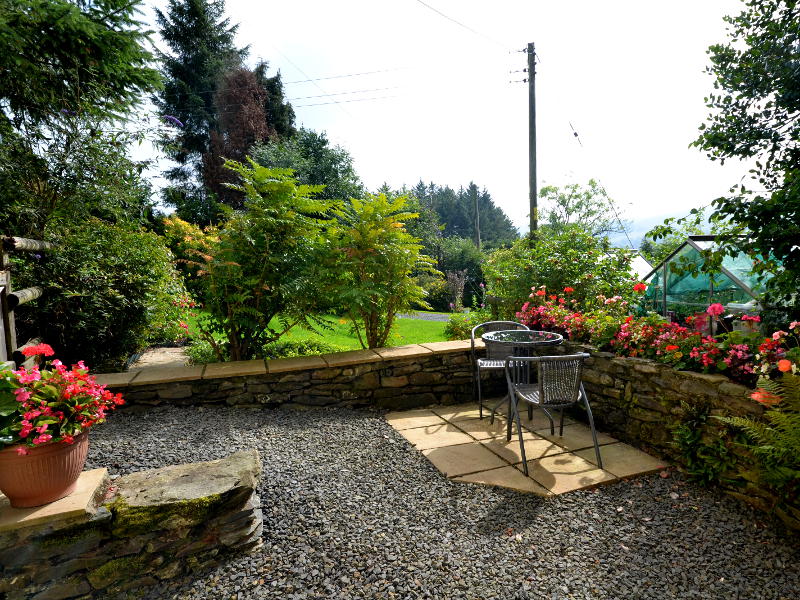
column 778, row 335
column 715, row 309
column 754, row 318
column 22, row 450
column 794, row 324
column 42, row 439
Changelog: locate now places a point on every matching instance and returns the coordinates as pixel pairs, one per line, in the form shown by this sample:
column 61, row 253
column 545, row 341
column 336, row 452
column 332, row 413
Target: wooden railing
column 10, row 299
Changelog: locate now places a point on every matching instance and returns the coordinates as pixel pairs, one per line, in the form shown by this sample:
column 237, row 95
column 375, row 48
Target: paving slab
column 566, row 473
column 409, row 419
column 79, row 505
column 507, row 477
column 116, row 380
column 623, row 460
column 436, row 436
column 350, row 357
column 446, row 347
column 460, row 412
column 576, row 437
column 410, row 351
column 534, row 449
column 151, row 375
column 462, row 459
column 481, row 429
column 299, row 363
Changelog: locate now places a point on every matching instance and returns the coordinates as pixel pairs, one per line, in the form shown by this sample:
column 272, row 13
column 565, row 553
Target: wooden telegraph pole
column 534, row 224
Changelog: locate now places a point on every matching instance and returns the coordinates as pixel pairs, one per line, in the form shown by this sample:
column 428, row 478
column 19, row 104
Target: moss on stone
column 116, row 570
column 133, row 520
column 71, row 535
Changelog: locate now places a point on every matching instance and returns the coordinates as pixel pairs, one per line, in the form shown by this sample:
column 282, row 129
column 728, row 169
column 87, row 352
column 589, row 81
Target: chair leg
column 477, row 385
column 594, row 432
column 521, row 442
column 530, row 412
column 561, row 423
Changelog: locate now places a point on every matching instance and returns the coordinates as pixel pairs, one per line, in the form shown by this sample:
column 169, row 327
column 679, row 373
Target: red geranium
column 640, row 288
column 43, row 349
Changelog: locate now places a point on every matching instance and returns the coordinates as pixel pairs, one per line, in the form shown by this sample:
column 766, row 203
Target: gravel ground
column 351, row 510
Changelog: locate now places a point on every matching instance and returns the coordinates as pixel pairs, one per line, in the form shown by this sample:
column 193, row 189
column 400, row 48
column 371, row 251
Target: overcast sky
column 628, row 75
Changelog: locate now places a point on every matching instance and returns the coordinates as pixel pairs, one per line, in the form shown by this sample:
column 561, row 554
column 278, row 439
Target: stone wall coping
column 239, row 368
column 245, row 368
column 80, row 505
column 410, row 351
column 167, row 375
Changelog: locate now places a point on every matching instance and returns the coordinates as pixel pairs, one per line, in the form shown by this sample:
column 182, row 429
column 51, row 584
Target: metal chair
column 493, row 361
column 558, row 386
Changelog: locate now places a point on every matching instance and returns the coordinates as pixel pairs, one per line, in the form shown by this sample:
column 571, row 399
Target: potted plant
column 45, row 415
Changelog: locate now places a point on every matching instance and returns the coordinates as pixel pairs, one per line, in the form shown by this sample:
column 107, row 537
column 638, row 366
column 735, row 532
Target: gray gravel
column 351, row 510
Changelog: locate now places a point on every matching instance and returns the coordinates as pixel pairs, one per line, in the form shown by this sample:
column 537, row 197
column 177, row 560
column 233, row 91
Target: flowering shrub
column 50, row 405
column 608, row 326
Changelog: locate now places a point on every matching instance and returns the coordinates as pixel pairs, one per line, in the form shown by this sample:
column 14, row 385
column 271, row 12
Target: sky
column 425, row 90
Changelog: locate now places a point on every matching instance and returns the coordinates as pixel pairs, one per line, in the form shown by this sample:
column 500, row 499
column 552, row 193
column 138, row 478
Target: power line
column 345, row 101
column 343, row 93
column 460, row 24
column 345, row 75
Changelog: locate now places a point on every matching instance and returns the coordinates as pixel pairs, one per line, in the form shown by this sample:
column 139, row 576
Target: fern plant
column 776, row 439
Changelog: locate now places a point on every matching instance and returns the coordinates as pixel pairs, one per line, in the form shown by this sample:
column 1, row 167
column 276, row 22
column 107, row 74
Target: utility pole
column 534, row 224
column 477, row 222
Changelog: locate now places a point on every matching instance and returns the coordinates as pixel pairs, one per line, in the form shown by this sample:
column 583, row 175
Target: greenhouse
column 677, row 288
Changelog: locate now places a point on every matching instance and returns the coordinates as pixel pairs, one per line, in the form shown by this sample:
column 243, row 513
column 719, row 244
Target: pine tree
column 202, row 48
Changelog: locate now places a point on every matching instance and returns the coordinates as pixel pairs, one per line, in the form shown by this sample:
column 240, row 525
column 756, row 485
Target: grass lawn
column 406, row 331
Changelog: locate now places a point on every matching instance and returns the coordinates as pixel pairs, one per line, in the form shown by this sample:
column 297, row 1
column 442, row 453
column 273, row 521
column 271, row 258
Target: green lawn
column 406, row 331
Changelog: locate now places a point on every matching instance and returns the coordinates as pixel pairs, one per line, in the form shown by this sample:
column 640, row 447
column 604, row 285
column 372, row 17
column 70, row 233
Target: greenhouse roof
column 735, row 285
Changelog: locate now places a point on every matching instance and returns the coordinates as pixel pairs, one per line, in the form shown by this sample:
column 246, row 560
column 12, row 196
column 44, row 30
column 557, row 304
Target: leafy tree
column 572, row 258
column 242, row 122
column 68, row 69
column 656, row 247
column 573, row 204
column 456, row 211
column 264, row 263
column 315, row 162
column 201, row 48
column 374, row 258
column 72, row 56
column 756, row 115
column 280, row 114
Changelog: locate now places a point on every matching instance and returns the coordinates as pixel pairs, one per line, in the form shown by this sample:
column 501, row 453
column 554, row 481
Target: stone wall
column 392, row 378
column 148, row 527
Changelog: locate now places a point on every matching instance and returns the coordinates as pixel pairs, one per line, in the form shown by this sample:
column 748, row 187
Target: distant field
column 406, row 331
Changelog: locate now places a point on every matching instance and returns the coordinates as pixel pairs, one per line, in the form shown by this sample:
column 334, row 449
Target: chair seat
column 530, row 393
column 491, row 363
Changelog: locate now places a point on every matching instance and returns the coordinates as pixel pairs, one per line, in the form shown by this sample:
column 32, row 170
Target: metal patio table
column 502, row 344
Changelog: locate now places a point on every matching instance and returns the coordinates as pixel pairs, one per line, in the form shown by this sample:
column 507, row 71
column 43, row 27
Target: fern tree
column 776, row 439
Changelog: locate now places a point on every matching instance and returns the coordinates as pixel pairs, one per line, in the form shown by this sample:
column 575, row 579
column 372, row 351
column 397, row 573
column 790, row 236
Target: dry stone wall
column 150, row 526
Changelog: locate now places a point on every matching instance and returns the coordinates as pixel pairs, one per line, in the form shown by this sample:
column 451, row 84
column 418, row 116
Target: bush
column 459, row 326
column 109, row 292
column 201, row 352
column 557, row 261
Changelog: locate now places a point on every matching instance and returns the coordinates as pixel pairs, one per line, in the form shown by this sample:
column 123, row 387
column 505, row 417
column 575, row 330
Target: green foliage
column 373, row 260
column 76, row 170
column 776, row 439
column 589, row 207
column 659, row 243
column 456, row 211
column 308, row 347
column 265, row 263
column 71, row 55
column 315, row 162
column 756, row 115
column 705, row 451
column 109, row 291
column 459, row 326
column 574, row 258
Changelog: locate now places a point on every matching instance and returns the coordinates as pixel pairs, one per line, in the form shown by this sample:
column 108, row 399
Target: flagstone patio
column 472, row 450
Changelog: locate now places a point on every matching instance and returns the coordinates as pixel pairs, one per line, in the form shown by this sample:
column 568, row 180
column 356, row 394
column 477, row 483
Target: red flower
column 765, row 397
column 672, row 347
column 784, row 366
column 754, row 318
column 568, row 290
column 715, row 309
column 38, row 349
column 540, row 292
column 640, row 288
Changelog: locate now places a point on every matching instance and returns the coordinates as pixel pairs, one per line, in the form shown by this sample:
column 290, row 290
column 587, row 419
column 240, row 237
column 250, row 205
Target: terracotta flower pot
column 47, row 473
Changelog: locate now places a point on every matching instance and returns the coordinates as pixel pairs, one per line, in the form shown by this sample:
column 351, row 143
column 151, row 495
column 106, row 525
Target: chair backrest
column 488, row 326
column 560, row 378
